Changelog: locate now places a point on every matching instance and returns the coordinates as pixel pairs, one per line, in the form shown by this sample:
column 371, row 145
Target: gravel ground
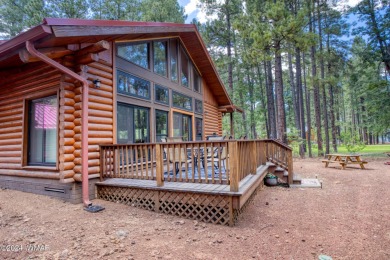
column 349, row 218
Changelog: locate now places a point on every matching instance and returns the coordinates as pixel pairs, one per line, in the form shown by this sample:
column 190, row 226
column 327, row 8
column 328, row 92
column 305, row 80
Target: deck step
column 279, row 169
column 283, row 175
column 297, row 179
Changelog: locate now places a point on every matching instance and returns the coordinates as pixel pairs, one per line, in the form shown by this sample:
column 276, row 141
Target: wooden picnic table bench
column 344, row 160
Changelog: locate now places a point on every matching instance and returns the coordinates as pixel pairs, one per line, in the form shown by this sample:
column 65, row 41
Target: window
column 184, row 68
column 174, row 63
column 161, row 125
column 137, row 53
column 160, row 58
column 133, row 124
column 161, row 94
column 198, row 106
column 182, row 126
column 196, row 81
column 181, row 101
column 42, row 131
column 199, row 128
column 132, row 85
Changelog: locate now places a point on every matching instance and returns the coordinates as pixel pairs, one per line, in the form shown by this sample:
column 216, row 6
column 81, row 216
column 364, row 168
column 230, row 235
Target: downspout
column 84, row 116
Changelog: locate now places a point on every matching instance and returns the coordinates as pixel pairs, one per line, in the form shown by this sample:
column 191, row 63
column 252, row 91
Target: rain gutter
column 84, row 116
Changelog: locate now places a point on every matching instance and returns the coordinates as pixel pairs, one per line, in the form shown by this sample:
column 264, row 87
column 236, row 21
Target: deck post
column 159, row 166
column 262, row 146
column 290, row 167
column 254, row 161
column 101, row 151
column 233, row 166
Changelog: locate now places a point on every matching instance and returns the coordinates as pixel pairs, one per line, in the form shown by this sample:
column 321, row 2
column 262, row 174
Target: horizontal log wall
column 100, row 120
column 28, row 82
column 34, row 78
column 212, row 116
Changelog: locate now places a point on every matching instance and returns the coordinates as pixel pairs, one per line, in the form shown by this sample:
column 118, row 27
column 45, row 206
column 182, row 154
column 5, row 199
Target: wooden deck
column 214, row 203
column 179, row 179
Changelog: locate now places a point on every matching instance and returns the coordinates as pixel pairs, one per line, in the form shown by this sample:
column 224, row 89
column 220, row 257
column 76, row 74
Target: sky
column 191, row 9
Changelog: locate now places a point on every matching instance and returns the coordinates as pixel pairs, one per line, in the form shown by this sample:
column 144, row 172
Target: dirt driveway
column 348, row 219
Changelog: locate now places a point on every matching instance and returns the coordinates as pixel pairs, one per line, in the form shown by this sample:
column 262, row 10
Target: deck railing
column 214, row 162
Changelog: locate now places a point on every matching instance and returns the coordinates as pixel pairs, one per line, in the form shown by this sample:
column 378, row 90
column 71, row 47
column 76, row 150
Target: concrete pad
column 307, row 183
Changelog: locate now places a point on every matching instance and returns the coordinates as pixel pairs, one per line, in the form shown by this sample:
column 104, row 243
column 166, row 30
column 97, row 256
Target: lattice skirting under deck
column 210, row 208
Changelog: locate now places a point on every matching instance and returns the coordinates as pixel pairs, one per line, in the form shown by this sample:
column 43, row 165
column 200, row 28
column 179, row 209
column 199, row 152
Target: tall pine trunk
column 322, row 85
column 298, row 69
column 316, row 91
column 293, row 92
column 270, row 101
column 308, row 115
column 331, row 100
column 281, row 126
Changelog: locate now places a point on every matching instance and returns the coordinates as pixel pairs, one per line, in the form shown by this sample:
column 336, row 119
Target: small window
column 196, row 81
column 137, row 53
column 42, row 131
column 184, row 68
column 161, row 125
column 174, row 63
column 160, row 58
column 199, row 128
column 198, row 106
column 131, row 85
column 161, row 94
column 181, row 101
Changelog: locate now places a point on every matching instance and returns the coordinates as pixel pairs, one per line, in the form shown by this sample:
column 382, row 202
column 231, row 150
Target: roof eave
column 33, row 34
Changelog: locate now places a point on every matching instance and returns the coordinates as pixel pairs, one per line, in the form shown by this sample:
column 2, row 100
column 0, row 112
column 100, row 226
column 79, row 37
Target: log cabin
column 143, row 81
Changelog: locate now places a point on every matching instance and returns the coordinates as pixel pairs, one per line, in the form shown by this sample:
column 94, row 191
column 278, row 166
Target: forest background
column 300, row 69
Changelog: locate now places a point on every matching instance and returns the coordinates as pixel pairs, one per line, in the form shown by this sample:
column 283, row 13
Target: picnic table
column 344, row 160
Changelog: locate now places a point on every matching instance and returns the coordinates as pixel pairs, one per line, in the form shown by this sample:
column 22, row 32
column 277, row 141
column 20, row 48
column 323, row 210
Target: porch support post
column 159, row 166
column 233, row 166
column 231, row 125
column 290, row 167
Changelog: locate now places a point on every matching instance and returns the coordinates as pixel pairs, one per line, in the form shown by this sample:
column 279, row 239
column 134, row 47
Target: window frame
column 133, row 127
column 195, row 75
column 166, row 57
column 148, row 44
column 25, row 130
column 198, row 112
column 118, row 72
column 156, row 86
column 159, row 111
column 183, row 95
column 174, row 47
column 184, row 55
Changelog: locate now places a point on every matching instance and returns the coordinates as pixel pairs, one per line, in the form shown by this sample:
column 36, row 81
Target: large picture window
column 182, row 126
column 161, row 125
column 137, row 53
column 132, row 85
column 199, row 128
column 133, row 124
column 42, row 131
column 161, row 94
column 181, row 101
column 196, row 81
column 198, row 106
column 160, row 58
column 174, row 60
column 184, row 68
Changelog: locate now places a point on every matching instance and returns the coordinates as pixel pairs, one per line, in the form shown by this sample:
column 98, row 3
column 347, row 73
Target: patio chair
column 213, row 153
column 218, row 157
column 177, row 153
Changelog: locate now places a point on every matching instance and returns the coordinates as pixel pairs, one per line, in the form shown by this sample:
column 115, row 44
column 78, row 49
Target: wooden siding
column 100, row 119
column 212, row 116
column 37, row 80
column 30, row 81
